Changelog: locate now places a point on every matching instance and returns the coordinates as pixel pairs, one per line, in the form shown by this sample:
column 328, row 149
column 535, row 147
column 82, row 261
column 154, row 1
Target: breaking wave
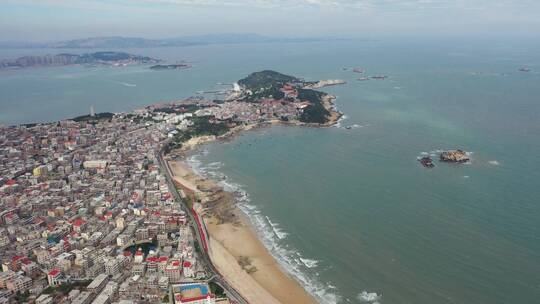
column 277, row 231
column 303, row 269
column 340, row 120
column 309, row 263
column 126, row 84
column 369, row 297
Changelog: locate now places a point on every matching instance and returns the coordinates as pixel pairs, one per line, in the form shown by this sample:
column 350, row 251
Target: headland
column 261, row 99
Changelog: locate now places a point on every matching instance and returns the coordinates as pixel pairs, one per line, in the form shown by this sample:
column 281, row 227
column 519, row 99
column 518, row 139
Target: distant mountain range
column 134, row 42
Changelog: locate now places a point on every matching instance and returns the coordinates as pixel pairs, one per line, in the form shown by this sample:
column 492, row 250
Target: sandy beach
column 235, row 248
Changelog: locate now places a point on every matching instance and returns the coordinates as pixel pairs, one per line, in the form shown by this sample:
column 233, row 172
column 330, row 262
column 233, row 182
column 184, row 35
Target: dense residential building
column 55, row 277
column 86, row 204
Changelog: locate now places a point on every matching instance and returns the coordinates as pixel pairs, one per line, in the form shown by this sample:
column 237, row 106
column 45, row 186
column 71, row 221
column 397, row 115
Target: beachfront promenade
column 216, row 277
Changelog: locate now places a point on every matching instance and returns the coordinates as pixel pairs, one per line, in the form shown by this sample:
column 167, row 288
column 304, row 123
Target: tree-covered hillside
column 316, row 112
column 268, row 84
column 265, row 84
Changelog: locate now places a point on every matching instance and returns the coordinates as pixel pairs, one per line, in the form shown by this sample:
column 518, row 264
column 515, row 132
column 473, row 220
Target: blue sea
column 350, row 212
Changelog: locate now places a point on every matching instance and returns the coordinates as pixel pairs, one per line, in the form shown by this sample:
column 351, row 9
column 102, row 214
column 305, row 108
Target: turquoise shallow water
column 349, row 211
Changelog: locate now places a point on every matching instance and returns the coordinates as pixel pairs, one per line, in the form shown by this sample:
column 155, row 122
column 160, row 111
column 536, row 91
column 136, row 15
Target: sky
column 54, row 20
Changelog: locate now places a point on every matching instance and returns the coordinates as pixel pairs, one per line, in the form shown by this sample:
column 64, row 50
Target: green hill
column 265, row 84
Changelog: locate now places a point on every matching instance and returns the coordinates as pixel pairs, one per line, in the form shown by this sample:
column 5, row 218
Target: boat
column 363, row 78
column 524, row 69
column 379, row 77
column 358, row 70
column 426, row 161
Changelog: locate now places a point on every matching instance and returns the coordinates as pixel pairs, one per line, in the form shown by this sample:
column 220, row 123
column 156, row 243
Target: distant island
column 97, row 58
column 177, row 66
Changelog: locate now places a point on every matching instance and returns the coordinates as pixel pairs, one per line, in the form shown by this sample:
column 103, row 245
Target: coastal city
column 90, row 211
column 269, row 151
column 87, row 205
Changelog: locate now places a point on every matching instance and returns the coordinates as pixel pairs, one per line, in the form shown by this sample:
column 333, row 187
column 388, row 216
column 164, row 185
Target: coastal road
column 217, row 278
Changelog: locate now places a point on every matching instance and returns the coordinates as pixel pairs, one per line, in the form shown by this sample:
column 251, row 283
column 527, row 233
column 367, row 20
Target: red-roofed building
column 289, row 91
column 152, row 259
column 209, row 299
column 139, row 256
column 16, row 262
column 9, row 217
column 30, row 268
column 67, row 245
column 162, row 263
column 55, row 277
column 189, row 269
column 174, row 271
column 152, row 263
column 79, row 225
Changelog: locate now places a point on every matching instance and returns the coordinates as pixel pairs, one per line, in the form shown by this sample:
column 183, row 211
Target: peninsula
column 260, row 99
column 102, row 206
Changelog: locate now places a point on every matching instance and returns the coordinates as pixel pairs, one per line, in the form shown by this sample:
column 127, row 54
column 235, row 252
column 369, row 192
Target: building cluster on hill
column 87, row 216
column 265, row 110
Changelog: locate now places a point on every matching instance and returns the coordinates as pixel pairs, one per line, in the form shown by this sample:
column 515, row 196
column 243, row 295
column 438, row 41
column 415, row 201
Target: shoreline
column 236, row 249
column 257, row 273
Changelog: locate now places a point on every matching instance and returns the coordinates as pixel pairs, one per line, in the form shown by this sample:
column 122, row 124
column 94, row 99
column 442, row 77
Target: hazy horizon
column 54, row 20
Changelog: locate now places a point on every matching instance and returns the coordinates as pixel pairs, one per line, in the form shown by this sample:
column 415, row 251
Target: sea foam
column 340, row 120
column 369, row 297
column 126, row 84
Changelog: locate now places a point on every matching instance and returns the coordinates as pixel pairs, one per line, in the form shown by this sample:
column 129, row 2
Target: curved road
column 234, row 296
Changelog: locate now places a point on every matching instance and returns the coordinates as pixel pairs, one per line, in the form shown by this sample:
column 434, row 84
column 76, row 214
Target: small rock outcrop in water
column 180, row 66
column 426, row 161
column 454, row 156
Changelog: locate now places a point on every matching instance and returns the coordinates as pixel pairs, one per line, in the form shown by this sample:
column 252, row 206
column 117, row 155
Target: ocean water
column 350, row 212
